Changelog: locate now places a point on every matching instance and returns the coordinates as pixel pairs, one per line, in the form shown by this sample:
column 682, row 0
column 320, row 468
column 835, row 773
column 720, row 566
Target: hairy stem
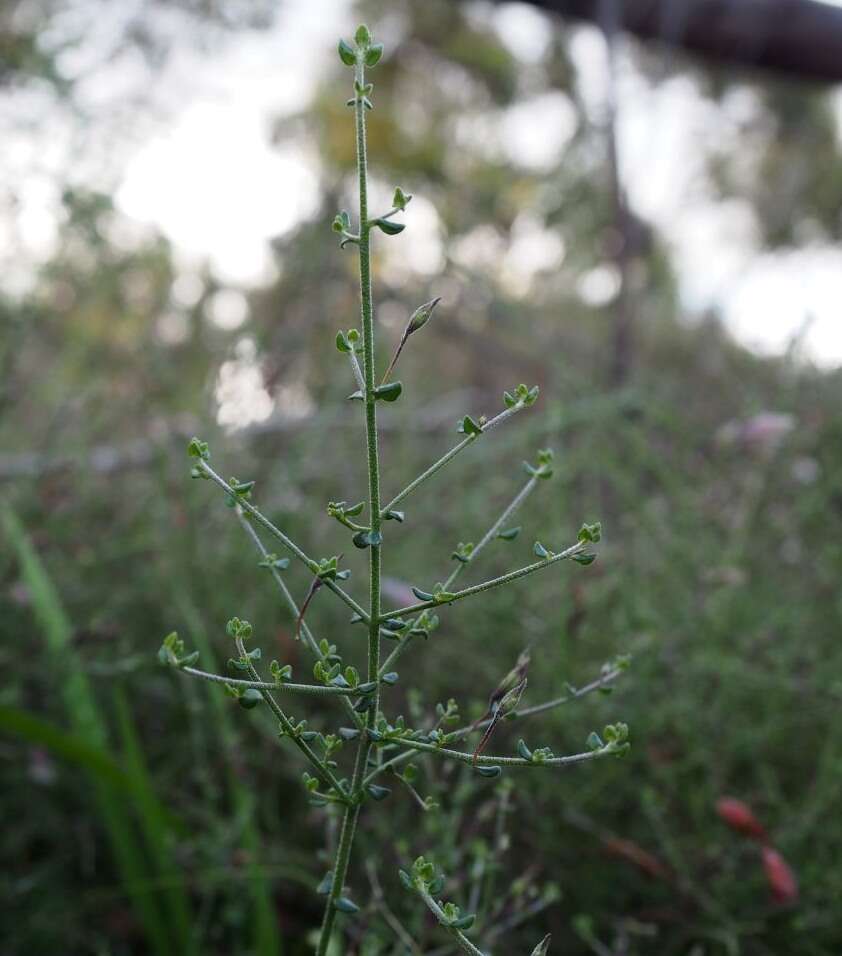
column 349, row 822
column 487, row 585
column 317, row 690
column 462, row 940
column 487, row 760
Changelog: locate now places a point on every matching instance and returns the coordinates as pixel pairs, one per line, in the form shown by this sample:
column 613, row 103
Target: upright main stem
column 352, row 811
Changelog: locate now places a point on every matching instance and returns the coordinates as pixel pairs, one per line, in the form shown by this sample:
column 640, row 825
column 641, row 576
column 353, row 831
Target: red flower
column 780, row 877
column 740, row 817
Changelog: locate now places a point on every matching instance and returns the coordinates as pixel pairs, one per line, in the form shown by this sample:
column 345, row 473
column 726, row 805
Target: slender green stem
column 487, row 585
column 504, row 517
column 494, row 530
column 289, row 728
column 317, row 690
column 341, row 861
column 287, row 542
column 486, row 760
column 349, row 822
column 464, row 943
column 450, row 455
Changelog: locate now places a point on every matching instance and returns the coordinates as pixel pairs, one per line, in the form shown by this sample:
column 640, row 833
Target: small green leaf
column 250, row 698
column 362, row 36
column 389, row 392
column 436, row 885
column 342, row 342
column 590, row 532
column 469, row 427
column 367, row 539
column 326, row 885
column 510, row 534
column 405, row 879
column 346, row 53
column 464, row 922
column 540, row 550
column 401, row 199
column 344, row 905
column 594, row 741
column 373, row 54
column 355, row 510
column 422, row 595
column 388, row 227
column 488, row 771
column 390, row 678
column 377, row 792
column 584, row 559
column 198, row 449
column 394, row 516
column 523, row 750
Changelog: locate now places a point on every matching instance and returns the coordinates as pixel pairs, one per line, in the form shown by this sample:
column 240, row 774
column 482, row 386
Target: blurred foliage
column 716, row 475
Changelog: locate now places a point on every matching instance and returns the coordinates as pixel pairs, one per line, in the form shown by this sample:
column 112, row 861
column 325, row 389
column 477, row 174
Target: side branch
column 449, row 456
column 485, row 760
column 461, row 939
column 316, row 690
column 450, row 598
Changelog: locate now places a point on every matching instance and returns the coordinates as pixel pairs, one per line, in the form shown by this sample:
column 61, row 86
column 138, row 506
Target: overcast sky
column 214, row 143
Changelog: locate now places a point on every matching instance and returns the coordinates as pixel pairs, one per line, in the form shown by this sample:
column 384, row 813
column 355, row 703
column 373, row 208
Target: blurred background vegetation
column 145, row 814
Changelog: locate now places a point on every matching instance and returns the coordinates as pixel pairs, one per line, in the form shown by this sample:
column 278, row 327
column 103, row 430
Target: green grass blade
column 156, row 828
column 267, row 940
column 84, row 715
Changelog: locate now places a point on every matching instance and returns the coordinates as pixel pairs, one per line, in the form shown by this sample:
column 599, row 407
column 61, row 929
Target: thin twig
column 450, row 455
column 314, row 689
column 570, row 552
